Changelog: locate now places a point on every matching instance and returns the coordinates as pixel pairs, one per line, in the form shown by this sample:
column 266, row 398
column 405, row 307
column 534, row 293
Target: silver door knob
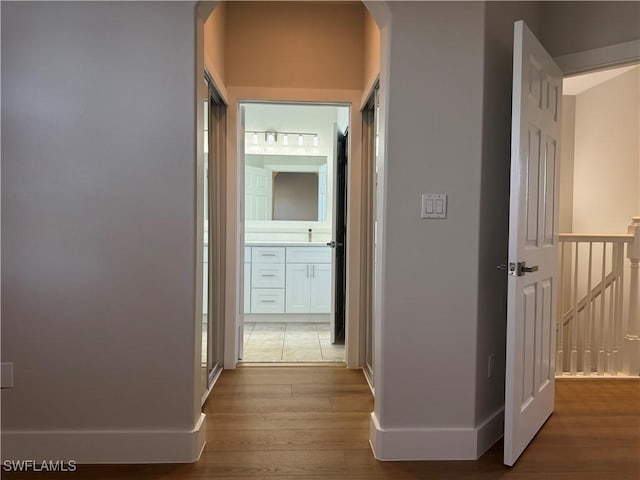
column 518, row 269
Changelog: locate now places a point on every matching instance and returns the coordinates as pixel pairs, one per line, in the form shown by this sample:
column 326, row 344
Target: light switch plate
column 434, row 205
column 6, row 375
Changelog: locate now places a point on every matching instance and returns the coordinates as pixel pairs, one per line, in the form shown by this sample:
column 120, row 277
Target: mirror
column 295, row 196
column 290, row 188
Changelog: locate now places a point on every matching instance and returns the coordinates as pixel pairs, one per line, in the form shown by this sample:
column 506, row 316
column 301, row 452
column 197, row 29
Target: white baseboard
column 103, row 446
column 435, row 443
column 490, row 431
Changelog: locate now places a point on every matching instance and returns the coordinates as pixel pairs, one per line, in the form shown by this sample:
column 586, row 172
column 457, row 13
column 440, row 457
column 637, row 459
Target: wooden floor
column 312, row 423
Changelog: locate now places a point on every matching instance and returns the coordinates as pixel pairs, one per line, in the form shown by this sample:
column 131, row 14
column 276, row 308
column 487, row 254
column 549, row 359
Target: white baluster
column 601, row 351
column 614, row 367
column 586, row 359
column 632, row 338
column 560, row 322
column 620, row 323
column 610, row 319
column 573, row 358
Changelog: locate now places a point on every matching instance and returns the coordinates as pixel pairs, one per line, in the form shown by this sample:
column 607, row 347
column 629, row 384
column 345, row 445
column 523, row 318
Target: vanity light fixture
column 271, row 137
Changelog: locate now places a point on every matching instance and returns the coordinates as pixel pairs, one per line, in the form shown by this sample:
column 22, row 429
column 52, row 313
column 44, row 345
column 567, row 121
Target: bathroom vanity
column 287, row 278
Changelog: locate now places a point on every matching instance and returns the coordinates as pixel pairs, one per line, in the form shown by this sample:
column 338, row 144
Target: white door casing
column 240, row 281
column 533, row 221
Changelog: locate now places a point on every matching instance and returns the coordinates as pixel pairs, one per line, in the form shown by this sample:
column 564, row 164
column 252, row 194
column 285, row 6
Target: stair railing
column 602, row 327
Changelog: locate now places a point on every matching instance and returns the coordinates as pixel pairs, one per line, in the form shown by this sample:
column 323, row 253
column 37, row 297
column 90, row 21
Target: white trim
column 368, row 91
column 212, row 379
column 599, row 58
column 489, row 431
column 435, row 443
column 235, row 227
column 216, row 80
column 107, row 446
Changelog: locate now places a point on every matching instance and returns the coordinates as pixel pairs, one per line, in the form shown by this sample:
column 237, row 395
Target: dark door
column 341, row 236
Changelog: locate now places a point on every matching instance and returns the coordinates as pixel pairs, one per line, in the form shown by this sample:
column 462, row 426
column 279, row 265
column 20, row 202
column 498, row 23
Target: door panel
column 320, row 289
column 297, row 288
column 340, row 232
column 531, row 322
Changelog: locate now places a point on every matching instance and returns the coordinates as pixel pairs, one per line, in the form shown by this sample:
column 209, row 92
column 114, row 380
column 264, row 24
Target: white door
column 298, row 277
column 322, row 193
column 257, row 193
column 531, row 303
column 320, row 288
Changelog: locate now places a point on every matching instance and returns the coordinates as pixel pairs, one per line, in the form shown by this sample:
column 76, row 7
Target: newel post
column 631, row 362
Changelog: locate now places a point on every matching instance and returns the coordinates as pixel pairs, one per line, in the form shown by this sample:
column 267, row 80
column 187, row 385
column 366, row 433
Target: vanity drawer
column 267, row 254
column 267, row 275
column 267, row 300
column 308, row 254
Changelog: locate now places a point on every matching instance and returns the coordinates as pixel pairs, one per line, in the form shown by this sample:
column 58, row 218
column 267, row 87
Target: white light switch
column 6, row 375
column 434, row 205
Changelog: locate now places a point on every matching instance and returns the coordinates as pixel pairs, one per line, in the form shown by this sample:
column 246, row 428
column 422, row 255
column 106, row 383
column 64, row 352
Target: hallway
column 312, row 423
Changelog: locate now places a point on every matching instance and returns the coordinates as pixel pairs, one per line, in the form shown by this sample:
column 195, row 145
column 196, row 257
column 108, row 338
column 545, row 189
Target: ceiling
column 580, row 83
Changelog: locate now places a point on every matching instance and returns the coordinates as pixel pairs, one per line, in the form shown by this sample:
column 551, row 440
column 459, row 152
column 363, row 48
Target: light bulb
column 285, row 139
column 270, row 139
column 255, row 138
column 315, row 140
column 300, row 140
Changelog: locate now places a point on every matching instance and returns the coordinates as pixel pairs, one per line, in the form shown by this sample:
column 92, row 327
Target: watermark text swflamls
column 35, row 466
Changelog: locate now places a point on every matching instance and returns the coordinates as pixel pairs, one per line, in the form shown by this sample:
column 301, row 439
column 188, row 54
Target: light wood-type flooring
column 312, row 423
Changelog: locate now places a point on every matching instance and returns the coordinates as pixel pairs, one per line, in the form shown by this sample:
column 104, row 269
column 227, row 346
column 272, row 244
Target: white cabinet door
column 320, row 288
column 297, row 288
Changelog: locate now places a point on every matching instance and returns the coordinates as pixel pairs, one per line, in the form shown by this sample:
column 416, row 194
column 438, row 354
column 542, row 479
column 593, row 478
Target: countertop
column 285, row 244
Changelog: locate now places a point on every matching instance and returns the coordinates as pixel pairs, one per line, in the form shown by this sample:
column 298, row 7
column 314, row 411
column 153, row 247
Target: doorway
column 213, row 233
column 600, row 168
column 294, row 158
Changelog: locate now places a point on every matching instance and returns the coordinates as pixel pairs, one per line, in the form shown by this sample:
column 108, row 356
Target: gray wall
column 98, row 215
column 434, row 145
column 571, row 27
column 606, row 166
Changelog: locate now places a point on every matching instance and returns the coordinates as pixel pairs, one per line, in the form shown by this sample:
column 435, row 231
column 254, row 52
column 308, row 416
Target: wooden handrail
column 596, row 237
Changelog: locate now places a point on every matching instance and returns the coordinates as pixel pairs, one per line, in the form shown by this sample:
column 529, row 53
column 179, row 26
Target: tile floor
column 290, row 342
